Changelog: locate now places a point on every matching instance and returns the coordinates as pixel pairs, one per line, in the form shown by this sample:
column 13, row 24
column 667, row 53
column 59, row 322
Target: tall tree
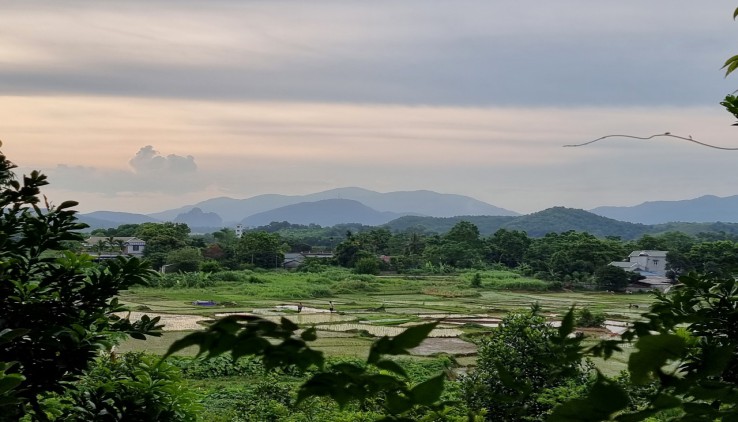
column 508, row 247
column 162, row 238
column 187, row 259
column 460, row 247
column 261, row 249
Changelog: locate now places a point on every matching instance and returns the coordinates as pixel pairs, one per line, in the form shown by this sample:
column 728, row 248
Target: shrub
column 367, row 265
column 476, row 280
column 256, row 280
column 336, row 274
column 183, row 280
column 230, row 275
column 320, row 292
column 313, row 265
column 586, row 318
column 134, row 387
column 352, row 286
column 519, row 365
column 220, row 366
column 210, row 266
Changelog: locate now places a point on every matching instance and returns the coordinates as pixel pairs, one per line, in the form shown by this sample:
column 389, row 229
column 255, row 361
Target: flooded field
column 172, row 322
column 361, row 317
column 379, row 330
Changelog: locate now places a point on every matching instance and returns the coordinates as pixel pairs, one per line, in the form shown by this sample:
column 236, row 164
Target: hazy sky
column 143, row 106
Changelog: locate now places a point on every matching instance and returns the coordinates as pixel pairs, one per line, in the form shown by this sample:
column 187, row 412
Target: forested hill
column 560, row 219
column 557, row 219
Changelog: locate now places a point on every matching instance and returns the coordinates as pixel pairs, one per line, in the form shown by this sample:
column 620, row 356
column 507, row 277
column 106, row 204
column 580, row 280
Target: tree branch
column 667, row 135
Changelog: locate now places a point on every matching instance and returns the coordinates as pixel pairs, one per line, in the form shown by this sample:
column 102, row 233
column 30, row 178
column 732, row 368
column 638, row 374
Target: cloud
column 510, row 157
column 569, row 52
column 148, row 160
column 150, row 172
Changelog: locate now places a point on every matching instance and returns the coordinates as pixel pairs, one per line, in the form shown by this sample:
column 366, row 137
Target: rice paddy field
column 367, row 307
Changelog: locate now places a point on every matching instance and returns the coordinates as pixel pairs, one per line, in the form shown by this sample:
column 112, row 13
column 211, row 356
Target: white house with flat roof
column 650, row 261
column 644, row 262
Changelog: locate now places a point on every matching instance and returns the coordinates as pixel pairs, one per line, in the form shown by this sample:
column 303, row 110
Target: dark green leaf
column 653, row 353
column 567, row 324
column 289, row 325
column 309, row 334
column 397, row 404
column 392, row 366
column 399, row 345
column 429, row 391
column 10, row 381
column 603, row 399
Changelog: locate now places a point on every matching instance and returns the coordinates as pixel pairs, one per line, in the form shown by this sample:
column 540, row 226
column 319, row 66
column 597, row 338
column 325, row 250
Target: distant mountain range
column 106, row 219
column 435, row 211
column 421, row 202
column 327, row 212
column 704, row 209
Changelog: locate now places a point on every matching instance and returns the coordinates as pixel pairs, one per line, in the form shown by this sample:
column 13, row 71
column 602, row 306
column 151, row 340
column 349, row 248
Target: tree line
column 567, row 260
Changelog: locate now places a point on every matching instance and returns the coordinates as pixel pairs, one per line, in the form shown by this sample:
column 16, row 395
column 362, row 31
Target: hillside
column 327, row 212
column 557, row 219
column 487, row 224
column 560, row 219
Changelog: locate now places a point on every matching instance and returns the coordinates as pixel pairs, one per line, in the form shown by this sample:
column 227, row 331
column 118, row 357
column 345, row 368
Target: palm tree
column 110, row 241
column 414, row 244
column 100, row 245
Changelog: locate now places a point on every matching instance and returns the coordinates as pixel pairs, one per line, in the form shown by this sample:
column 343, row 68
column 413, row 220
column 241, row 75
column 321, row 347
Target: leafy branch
column 687, row 344
column 279, row 346
column 666, row 135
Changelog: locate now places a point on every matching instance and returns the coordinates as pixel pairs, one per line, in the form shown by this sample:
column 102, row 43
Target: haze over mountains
column 705, row 209
column 420, row 202
column 357, row 205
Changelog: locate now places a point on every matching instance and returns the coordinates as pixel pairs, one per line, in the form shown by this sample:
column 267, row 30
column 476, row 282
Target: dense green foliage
column 130, row 387
column 56, row 307
column 687, row 345
column 243, row 390
column 187, row 259
column 161, row 239
column 379, row 377
column 612, row 278
column 261, row 249
column 524, row 369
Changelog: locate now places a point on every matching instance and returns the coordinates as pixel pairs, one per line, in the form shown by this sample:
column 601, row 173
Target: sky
column 144, row 106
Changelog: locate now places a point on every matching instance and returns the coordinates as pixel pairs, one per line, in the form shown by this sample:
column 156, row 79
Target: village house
column 102, row 246
column 649, row 264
